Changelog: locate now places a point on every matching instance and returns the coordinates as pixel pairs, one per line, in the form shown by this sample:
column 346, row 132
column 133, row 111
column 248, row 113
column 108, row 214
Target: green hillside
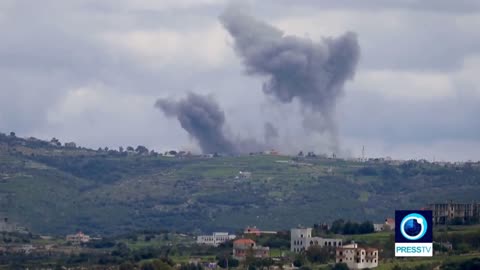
column 58, row 190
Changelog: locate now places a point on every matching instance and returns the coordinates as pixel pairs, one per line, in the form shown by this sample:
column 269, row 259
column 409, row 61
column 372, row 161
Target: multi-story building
column 245, row 247
column 450, row 212
column 215, row 239
column 301, row 239
column 356, row 257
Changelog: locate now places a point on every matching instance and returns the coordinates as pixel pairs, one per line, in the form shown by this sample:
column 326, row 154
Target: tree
column 366, row 227
column 350, row 228
column 141, row 149
column 156, row 265
column 191, row 266
column 262, row 263
column 126, row 266
column 299, row 260
column 317, row 254
column 55, row 141
column 340, row 266
column 222, row 262
column 130, row 149
column 120, row 149
column 12, row 134
column 471, row 264
column 337, row 226
column 121, row 250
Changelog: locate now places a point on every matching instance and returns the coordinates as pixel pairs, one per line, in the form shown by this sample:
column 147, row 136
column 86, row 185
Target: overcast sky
column 90, row 71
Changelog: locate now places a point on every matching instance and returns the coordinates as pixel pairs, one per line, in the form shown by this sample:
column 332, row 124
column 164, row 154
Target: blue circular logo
column 413, row 226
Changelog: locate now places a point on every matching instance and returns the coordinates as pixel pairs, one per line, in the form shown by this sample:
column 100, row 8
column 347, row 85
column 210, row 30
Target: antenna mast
column 363, row 152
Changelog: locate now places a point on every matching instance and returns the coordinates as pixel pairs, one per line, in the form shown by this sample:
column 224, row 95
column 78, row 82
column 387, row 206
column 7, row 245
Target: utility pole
column 363, row 152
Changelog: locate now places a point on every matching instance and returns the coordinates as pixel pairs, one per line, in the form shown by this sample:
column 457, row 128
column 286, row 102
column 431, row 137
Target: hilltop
column 55, row 189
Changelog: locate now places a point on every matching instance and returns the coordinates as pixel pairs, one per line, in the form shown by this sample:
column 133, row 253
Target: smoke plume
column 296, row 67
column 203, row 119
column 271, row 132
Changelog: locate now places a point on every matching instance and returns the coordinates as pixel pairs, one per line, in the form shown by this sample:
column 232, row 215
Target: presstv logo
column 413, row 233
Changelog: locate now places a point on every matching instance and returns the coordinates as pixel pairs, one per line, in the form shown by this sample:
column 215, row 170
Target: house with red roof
column 390, row 224
column 247, row 247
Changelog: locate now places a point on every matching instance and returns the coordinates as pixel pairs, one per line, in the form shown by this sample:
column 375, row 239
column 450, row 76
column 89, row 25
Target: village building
column 378, row 227
column 6, row 226
column 243, row 175
column 70, row 145
column 450, row 212
column 215, row 239
column 78, row 238
column 255, row 231
column 301, row 239
column 389, row 224
column 272, row 152
column 356, row 257
column 242, row 248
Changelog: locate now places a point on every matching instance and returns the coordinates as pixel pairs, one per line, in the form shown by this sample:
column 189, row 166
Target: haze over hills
column 57, row 190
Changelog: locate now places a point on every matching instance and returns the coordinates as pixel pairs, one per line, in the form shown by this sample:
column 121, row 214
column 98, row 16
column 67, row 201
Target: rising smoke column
column 297, row 68
column 203, row 119
column 271, row 132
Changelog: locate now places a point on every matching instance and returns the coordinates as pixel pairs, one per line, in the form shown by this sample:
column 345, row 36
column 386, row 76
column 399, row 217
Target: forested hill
column 54, row 189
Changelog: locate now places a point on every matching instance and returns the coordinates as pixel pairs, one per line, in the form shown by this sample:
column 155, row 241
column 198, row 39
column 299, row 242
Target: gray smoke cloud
column 297, row 68
column 203, row 119
column 314, row 73
column 271, row 132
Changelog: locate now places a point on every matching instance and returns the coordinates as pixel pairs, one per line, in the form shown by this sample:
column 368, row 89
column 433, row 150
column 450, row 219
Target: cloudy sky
column 90, row 71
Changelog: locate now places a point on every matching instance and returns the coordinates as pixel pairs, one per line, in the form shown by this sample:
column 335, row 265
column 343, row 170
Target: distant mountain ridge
column 55, row 189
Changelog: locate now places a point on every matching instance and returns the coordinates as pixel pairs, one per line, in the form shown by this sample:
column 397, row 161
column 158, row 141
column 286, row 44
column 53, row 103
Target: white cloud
column 162, row 47
column 96, row 116
column 168, row 4
column 394, row 38
column 405, row 84
column 421, row 84
column 467, row 78
column 335, row 22
column 443, row 150
column 415, row 83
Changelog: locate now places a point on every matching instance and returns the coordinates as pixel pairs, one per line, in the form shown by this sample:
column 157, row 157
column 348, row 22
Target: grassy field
column 380, row 237
column 433, row 261
column 59, row 191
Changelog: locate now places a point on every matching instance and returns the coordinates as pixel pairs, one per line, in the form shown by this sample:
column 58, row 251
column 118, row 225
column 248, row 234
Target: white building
column 77, row 239
column 6, row 226
column 356, row 257
column 301, row 239
column 243, row 175
column 70, row 145
column 378, row 227
column 215, row 239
